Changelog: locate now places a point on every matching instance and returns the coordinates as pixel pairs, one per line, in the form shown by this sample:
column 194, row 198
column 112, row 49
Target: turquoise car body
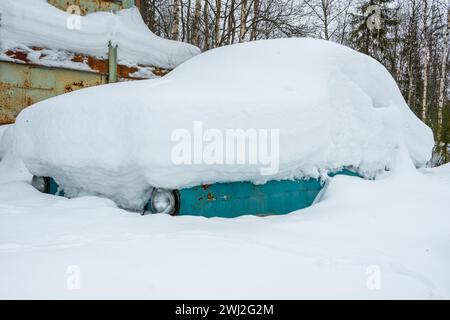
column 229, row 200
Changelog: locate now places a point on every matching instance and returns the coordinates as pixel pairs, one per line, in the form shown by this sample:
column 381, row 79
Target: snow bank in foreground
column 333, row 106
column 382, row 239
column 3, row 128
column 6, row 139
column 39, row 24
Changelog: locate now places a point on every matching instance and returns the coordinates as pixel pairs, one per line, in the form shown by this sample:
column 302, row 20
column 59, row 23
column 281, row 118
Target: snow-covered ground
column 388, row 238
column 382, row 238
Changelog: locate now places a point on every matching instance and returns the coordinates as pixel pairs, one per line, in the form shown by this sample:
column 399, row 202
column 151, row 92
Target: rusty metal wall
column 22, row 85
column 89, row 6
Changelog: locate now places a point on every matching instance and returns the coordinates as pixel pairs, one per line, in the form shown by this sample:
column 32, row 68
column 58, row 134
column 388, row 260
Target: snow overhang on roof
column 30, row 27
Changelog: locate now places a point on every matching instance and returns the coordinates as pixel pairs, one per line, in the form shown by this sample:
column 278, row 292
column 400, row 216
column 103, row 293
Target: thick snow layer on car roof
column 35, row 23
column 333, row 107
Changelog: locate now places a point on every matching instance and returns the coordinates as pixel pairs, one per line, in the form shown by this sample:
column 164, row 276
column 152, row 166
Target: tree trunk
column 231, row 23
column 176, row 20
column 196, row 23
column 243, row 27
column 426, row 62
column 325, row 7
column 255, row 20
column 206, row 21
column 148, row 14
column 186, row 22
column 443, row 78
column 217, row 23
column 410, row 85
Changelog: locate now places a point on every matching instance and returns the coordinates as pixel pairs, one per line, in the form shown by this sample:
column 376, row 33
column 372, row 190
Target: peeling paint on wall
column 22, row 85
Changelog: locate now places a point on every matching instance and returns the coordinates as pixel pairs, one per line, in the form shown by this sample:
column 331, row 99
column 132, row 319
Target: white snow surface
column 36, row 23
column 5, row 139
column 374, row 239
column 333, row 106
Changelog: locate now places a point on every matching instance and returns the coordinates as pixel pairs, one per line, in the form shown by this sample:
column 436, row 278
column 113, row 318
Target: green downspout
column 112, row 50
column 112, row 63
column 128, row 3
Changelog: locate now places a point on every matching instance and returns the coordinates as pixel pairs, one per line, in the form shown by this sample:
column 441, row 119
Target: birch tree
column 426, row 61
column 217, row 37
column 176, row 20
column 254, row 32
column 411, row 49
column 443, row 77
column 328, row 12
column 196, row 23
column 206, row 23
column 243, row 18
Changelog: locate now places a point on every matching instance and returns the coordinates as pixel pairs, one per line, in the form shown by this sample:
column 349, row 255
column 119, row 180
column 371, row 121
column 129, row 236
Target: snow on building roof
column 33, row 25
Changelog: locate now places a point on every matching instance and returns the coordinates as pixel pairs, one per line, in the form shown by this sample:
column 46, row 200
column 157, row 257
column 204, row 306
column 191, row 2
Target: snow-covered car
column 334, row 111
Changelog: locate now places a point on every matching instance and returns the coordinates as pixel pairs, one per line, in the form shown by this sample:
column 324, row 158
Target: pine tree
column 375, row 41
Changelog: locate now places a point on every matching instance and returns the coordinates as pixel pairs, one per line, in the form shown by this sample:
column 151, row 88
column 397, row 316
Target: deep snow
column 35, row 23
column 388, row 238
column 383, row 238
column 333, row 107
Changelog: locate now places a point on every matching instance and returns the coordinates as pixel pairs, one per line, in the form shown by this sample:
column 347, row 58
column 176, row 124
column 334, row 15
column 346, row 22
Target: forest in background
column 409, row 37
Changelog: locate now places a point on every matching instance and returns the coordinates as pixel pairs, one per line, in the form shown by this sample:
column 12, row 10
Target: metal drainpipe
column 112, row 63
column 129, row 3
column 112, row 50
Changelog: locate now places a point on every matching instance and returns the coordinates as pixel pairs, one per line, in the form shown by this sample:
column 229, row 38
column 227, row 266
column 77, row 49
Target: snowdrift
column 35, row 23
column 5, row 139
column 333, row 106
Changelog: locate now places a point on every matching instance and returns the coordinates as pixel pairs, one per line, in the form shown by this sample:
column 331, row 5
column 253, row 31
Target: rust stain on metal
column 99, row 65
column 30, row 101
column 95, row 64
column 87, row 6
column 160, row 72
column 125, row 71
column 211, row 197
column 18, row 55
column 6, row 120
column 73, row 86
column 22, row 85
column 205, row 186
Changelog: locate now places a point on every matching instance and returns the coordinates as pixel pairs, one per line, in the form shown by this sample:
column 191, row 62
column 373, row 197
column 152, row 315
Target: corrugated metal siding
column 22, row 85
